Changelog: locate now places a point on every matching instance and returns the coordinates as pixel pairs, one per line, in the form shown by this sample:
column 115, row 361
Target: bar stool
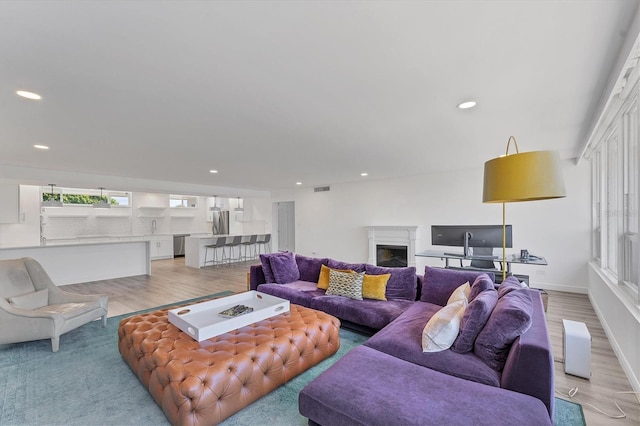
column 219, row 242
column 248, row 244
column 235, row 242
column 265, row 242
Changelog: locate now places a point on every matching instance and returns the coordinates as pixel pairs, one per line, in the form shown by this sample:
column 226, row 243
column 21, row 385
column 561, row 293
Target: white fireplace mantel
column 392, row 235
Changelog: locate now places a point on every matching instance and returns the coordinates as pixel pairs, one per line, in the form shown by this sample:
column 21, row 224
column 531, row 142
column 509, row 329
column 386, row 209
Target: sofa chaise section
column 369, row 387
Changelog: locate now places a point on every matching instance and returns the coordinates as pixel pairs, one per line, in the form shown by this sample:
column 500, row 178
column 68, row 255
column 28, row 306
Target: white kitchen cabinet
column 221, row 203
column 9, row 203
column 161, row 246
column 152, row 212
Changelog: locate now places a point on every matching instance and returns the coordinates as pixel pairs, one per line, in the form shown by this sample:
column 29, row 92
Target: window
column 630, row 205
column 615, row 176
column 178, row 201
column 86, row 197
column 122, row 199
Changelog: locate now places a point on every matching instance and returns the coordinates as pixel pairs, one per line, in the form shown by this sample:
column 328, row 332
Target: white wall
column 332, row 223
column 620, row 320
column 27, row 231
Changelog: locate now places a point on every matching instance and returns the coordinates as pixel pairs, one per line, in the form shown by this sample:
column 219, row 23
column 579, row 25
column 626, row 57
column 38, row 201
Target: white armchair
column 32, row 307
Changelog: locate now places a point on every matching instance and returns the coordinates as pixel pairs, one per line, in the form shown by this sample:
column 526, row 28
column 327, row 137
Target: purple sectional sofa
column 501, row 361
column 368, row 315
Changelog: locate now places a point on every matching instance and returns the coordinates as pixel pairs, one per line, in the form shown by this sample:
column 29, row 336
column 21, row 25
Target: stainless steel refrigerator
column 220, row 223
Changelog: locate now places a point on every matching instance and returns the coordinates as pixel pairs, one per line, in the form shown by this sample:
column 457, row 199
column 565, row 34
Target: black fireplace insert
column 390, row 256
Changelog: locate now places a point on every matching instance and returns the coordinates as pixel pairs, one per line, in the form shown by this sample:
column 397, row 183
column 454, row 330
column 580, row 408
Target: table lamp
column 527, row 176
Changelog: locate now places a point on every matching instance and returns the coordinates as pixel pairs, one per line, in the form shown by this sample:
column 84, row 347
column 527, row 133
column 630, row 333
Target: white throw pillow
column 443, row 327
column 460, row 293
column 33, row 300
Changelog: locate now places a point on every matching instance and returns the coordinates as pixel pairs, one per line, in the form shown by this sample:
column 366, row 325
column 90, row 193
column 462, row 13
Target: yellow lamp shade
column 527, row 176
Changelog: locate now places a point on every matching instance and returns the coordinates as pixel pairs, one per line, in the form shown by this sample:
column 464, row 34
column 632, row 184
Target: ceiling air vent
column 321, row 188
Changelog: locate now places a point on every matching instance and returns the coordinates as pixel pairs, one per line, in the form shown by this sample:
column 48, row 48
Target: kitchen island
column 194, row 248
column 78, row 261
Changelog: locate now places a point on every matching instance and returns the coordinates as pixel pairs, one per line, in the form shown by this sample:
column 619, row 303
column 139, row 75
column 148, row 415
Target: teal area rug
column 568, row 413
column 88, row 383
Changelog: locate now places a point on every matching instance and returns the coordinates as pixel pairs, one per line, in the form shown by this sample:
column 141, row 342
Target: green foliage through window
column 78, row 199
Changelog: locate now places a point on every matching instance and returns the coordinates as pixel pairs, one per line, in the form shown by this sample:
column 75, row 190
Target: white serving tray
column 202, row 321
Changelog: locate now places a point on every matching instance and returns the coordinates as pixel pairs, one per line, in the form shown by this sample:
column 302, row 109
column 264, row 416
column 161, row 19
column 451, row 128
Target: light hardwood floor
column 172, row 282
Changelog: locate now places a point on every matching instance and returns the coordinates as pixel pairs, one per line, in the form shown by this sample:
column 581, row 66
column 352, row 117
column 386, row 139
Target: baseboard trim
column 626, row 367
column 557, row 287
column 611, row 287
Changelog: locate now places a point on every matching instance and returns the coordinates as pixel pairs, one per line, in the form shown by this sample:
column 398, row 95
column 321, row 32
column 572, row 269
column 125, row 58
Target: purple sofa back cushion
column 482, row 283
column 266, row 268
column 439, row 283
column 336, row 264
column 508, row 285
column 309, row 267
column 284, row 268
column 474, row 319
column 402, row 284
column 510, row 318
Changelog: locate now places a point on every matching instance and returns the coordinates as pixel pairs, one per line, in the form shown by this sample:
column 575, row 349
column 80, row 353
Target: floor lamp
column 527, row 176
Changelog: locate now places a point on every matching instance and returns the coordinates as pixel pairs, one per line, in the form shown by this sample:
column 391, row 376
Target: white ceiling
column 274, row 92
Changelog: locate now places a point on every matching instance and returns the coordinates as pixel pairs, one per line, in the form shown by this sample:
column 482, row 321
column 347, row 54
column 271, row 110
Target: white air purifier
column 577, row 348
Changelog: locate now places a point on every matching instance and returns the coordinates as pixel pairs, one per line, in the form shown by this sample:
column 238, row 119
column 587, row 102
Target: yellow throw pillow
column 375, row 286
column 323, row 279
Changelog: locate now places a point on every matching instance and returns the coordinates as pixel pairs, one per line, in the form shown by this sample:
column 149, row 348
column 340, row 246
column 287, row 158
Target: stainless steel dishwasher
column 178, row 244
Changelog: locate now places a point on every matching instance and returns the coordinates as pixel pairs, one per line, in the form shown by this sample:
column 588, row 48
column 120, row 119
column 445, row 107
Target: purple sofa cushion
column 439, row 283
column 284, row 267
column 482, row 283
column 368, row 312
column 508, row 285
column 403, row 283
column 266, row 267
column 371, row 396
column 403, row 339
column 336, row 264
column 297, row 292
column 474, row 319
column 309, row 267
column 510, row 318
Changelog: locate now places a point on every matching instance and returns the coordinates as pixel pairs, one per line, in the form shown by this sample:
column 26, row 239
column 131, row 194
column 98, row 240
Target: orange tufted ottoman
column 206, row 382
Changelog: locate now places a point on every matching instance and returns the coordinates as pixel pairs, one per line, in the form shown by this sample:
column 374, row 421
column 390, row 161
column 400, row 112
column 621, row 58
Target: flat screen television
column 488, row 236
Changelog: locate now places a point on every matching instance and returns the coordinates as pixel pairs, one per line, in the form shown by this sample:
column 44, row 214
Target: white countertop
column 201, row 236
column 88, row 240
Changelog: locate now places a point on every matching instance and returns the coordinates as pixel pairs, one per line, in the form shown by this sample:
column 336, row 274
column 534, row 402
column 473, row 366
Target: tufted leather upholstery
column 204, row 383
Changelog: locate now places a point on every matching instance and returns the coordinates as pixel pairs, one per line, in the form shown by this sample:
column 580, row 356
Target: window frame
column 615, row 180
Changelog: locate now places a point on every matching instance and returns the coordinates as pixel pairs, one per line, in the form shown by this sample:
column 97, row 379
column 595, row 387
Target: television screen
column 478, row 235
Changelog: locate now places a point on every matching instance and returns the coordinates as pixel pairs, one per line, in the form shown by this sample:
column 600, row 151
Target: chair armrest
column 56, row 296
column 9, row 311
column 256, row 277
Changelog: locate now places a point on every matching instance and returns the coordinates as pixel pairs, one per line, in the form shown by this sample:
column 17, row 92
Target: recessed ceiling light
column 467, row 105
column 298, row 183
column 364, row 174
column 213, row 171
column 28, row 95
column 41, row 147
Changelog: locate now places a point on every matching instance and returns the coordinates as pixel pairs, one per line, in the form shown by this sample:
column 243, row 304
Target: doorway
column 286, row 226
